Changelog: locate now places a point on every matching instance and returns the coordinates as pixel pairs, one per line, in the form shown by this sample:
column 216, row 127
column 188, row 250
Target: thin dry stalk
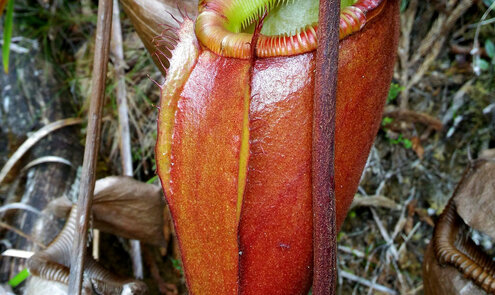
column 385, row 235
column 100, row 63
column 367, row 283
column 117, row 52
column 374, row 201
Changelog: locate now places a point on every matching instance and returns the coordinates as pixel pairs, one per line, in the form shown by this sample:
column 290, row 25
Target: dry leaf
column 129, row 208
column 475, row 196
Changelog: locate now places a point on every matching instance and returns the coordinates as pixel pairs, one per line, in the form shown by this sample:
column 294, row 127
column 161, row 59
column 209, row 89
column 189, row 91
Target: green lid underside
column 284, row 17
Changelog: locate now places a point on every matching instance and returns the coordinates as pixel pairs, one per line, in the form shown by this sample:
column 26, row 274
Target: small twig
column 22, row 234
column 100, row 63
column 324, row 106
column 16, row 48
column 125, row 138
column 402, row 247
column 415, row 117
column 96, row 244
column 385, row 235
column 401, row 223
column 365, row 282
column 376, row 272
column 374, row 201
column 117, row 53
column 415, row 290
column 403, row 284
column 373, row 281
column 44, row 160
column 465, row 50
column 352, row 251
column 32, row 140
column 482, row 23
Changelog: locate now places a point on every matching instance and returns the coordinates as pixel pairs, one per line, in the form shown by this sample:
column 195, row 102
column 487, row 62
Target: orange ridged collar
column 212, row 32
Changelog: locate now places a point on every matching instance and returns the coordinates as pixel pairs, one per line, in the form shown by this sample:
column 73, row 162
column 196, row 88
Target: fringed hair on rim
column 183, row 11
column 156, row 83
column 166, row 42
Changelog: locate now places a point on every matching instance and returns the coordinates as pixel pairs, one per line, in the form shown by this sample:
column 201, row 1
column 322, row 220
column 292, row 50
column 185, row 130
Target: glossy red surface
column 366, row 62
column 204, row 169
column 276, row 217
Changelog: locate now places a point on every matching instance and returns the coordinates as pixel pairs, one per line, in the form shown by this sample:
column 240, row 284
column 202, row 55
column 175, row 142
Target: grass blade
column 7, row 34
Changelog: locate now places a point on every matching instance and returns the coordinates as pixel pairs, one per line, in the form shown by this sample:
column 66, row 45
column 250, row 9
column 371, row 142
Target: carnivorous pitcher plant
column 234, row 134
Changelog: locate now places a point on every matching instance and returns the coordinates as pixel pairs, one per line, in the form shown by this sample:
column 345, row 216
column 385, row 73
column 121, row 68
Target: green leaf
column 394, row 91
column 24, row 274
column 407, row 143
column 177, row 264
column 490, row 48
column 387, row 121
column 7, row 35
column 152, row 179
column 484, row 65
column 352, row 214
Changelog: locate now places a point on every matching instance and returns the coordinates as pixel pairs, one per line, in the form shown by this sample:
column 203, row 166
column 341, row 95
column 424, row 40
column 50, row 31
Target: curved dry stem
column 453, row 247
column 53, row 264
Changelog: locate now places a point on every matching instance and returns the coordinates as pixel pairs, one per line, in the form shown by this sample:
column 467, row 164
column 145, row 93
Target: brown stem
column 102, row 45
column 324, row 228
column 413, row 117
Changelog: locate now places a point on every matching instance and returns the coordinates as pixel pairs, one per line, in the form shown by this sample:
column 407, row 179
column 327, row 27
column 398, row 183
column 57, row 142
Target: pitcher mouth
column 289, row 28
